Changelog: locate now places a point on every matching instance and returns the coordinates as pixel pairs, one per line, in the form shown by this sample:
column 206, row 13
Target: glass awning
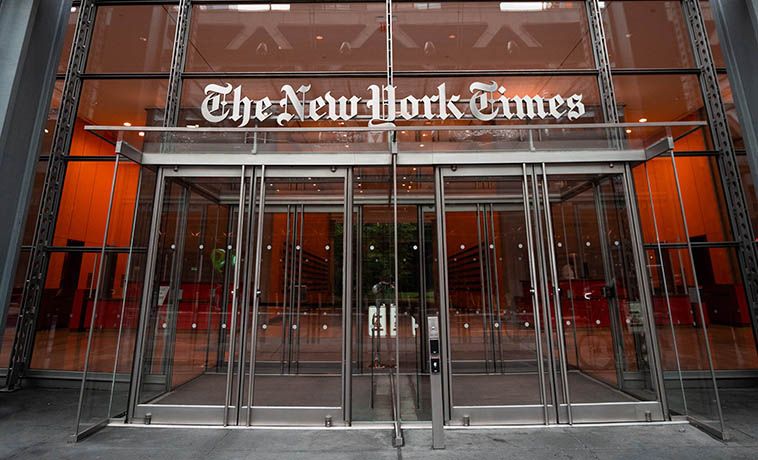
column 427, row 144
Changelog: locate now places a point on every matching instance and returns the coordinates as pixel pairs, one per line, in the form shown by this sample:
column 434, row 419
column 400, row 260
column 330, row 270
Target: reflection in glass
column 628, row 26
column 491, row 36
column 287, row 37
column 604, row 327
column 132, row 38
column 493, row 340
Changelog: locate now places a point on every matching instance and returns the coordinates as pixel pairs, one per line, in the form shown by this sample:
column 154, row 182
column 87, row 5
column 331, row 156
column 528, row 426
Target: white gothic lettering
column 488, row 102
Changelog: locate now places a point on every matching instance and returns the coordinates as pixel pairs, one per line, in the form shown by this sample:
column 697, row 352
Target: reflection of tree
column 378, row 265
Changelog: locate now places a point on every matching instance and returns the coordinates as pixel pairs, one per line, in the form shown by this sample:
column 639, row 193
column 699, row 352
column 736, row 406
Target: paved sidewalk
column 36, row 424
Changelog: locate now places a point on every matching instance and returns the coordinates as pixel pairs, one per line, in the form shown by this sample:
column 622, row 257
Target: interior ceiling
column 448, row 35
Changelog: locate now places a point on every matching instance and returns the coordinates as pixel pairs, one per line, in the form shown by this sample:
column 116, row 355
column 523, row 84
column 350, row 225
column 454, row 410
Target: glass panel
column 658, row 98
column 382, row 331
column 14, row 308
column 287, row 37
column 298, row 359
column 493, row 342
column 702, row 197
column 727, row 313
column 374, row 331
column 713, row 36
column 658, row 201
column 46, row 143
column 113, row 316
column 84, row 204
column 186, row 352
column 68, row 40
column 417, row 293
column 682, row 336
column 678, row 306
column 732, row 116
column 34, row 202
column 116, row 103
column 133, row 38
column 748, row 186
column 628, row 26
column 605, row 334
column 62, row 328
column 491, row 36
column 661, row 98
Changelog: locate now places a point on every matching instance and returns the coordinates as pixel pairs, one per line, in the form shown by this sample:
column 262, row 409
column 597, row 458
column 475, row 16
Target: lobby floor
column 36, row 423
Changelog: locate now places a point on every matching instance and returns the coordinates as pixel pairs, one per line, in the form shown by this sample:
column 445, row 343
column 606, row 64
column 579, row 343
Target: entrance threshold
column 121, row 423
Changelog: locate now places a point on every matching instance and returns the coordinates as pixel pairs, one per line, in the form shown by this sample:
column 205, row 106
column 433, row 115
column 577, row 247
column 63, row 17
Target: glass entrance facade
column 588, row 269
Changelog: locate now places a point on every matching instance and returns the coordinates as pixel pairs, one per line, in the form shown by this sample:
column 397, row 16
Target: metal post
column 435, row 382
column 397, row 440
column 245, row 311
column 727, row 160
column 556, row 294
column 235, row 297
column 347, row 300
column 444, row 306
column 644, row 281
column 533, row 291
column 181, row 38
column 603, row 67
column 147, row 294
column 544, row 294
column 256, row 291
column 614, row 308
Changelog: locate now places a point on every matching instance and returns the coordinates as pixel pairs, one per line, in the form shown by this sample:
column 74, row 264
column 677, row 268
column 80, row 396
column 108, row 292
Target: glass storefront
column 205, row 272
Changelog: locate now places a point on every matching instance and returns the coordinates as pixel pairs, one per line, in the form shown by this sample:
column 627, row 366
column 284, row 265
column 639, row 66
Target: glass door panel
column 297, row 316
column 495, row 341
column 597, row 310
column 547, row 323
column 191, row 310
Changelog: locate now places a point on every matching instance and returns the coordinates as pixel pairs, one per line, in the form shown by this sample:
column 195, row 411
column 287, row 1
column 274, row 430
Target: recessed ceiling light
column 319, row 37
column 73, row 9
column 141, row 134
column 451, row 36
column 643, row 120
column 421, row 145
column 46, row 131
column 127, row 124
column 628, row 131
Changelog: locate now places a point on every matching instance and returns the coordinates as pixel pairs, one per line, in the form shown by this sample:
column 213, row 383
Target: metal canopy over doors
column 534, row 270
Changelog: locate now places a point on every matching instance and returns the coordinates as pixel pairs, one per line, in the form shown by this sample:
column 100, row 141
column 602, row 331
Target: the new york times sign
column 487, row 102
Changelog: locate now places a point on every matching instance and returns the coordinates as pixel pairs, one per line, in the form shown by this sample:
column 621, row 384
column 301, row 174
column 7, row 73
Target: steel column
column 347, row 299
column 602, row 62
column 181, row 37
column 23, row 342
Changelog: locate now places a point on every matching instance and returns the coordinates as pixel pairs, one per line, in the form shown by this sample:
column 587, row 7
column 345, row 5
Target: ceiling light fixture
column 319, row 37
column 628, row 131
column 127, row 124
column 451, row 36
column 643, row 120
column 141, row 134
